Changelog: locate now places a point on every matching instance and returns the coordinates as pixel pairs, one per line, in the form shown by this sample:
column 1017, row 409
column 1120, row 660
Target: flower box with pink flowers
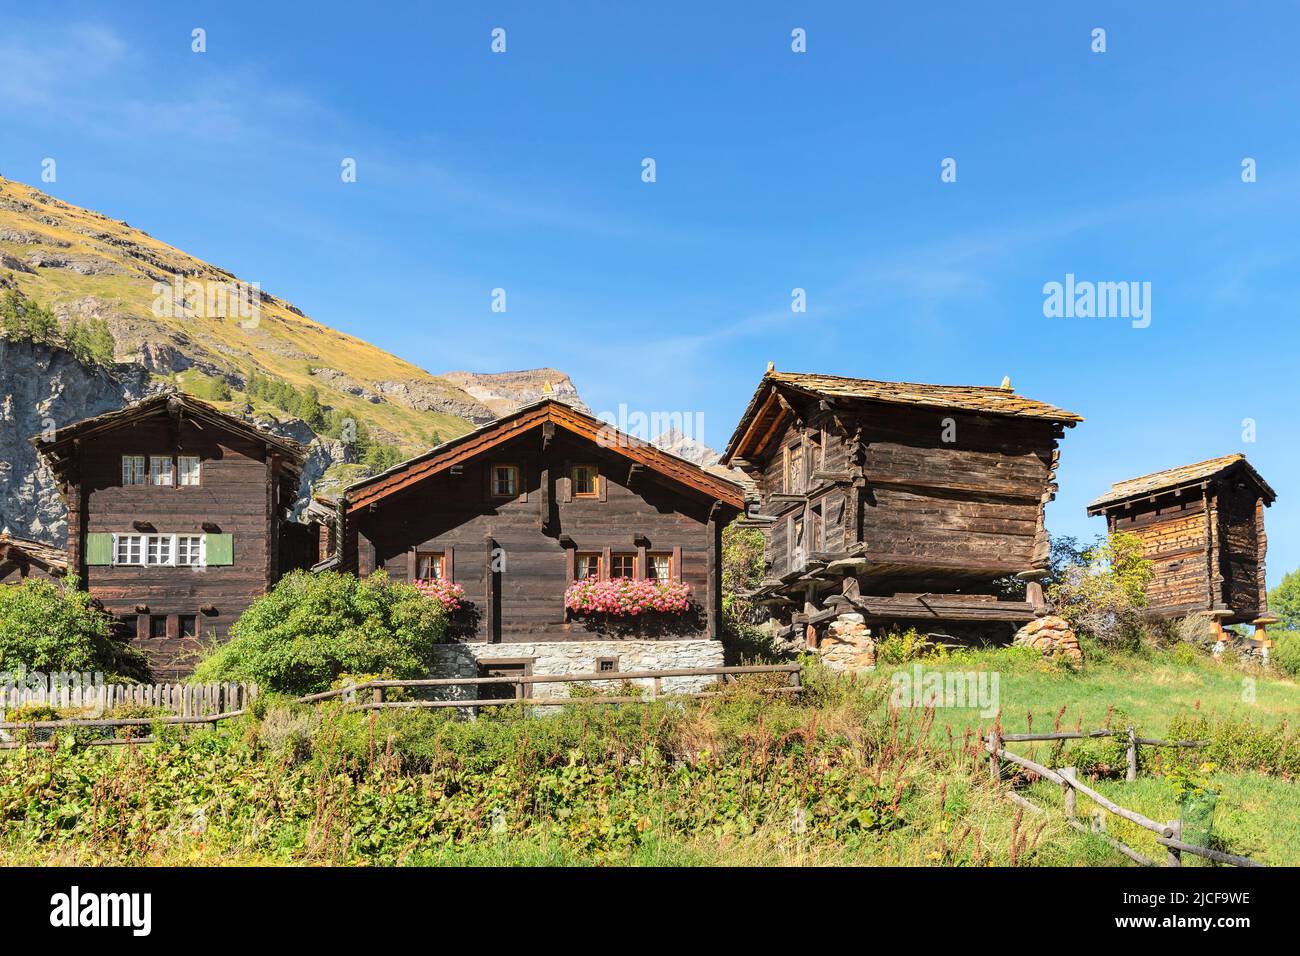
column 450, row 596
column 625, row 597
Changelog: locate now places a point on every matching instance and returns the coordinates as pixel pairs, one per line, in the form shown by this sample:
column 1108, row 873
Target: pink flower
column 446, row 593
column 625, row 597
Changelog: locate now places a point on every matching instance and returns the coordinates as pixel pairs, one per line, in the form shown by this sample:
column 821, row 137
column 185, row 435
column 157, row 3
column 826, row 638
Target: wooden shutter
column 677, row 563
column 220, row 549
column 99, row 549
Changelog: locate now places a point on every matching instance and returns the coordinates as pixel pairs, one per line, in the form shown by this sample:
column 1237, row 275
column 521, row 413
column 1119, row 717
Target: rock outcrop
column 1051, row 636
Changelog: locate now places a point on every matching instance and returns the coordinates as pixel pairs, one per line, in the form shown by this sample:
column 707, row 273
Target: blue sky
column 775, row 170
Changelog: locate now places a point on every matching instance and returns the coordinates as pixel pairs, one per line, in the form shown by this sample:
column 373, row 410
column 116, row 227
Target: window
column 659, row 567
column 622, row 566
column 586, row 566
column 796, row 544
column 188, row 625
column 129, row 550
column 189, row 550
column 158, row 549
column 430, row 566
column 158, row 625
column 188, row 465
column 133, row 469
column 585, row 480
column 817, row 527
column 607, row 665
column 160, row 470
column 794, row 470
column 505, row 481
column 505, row 668
column 815, row 452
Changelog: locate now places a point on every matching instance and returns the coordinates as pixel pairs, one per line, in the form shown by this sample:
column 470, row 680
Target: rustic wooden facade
column 517, row 510
column 21, row 559
column 178, row 518
column 905, row 503
column 1202, row 526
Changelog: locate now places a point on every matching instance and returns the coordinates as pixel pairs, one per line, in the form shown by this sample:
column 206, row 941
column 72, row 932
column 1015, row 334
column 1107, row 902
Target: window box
column 627, row 597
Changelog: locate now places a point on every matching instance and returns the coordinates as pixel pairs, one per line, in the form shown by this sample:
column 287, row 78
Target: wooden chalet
column 901, row 502
column 21, row 559
column 1202, row 526
column 519, row 509
column 178, row 518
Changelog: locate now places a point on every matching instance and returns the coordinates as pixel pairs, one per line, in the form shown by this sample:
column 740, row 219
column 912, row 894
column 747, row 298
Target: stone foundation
column 1051, row 636
column 848, row 645
column 550, row 658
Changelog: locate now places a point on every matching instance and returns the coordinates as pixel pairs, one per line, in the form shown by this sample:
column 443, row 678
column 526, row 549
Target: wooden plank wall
column 456, row 515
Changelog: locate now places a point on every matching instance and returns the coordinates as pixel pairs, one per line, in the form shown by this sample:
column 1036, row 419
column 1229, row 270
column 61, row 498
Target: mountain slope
column 85, row 265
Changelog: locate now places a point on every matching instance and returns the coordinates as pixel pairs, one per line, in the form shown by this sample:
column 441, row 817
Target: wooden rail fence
column 197, row 704
column 522, row 683
column 1168, row 835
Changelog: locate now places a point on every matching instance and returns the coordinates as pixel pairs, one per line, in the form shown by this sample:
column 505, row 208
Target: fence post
column 1068, row 791
column 995, row 765
column 377, row 695
column 1173, row 855
column 1132, row 773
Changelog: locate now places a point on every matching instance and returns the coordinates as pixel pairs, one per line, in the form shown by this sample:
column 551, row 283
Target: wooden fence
column 355, row 694
column 198, row 704
column 183, row 700
column 1168, row 835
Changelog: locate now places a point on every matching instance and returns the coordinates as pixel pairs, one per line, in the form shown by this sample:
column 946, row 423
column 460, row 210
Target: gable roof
column 534, row 415
column 49, row 557
column 58, row 449
column 990, row 400
column 1181, row 476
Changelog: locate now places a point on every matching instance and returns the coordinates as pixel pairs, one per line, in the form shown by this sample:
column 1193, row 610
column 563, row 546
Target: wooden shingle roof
column 58, row 449
column 51, row 558
column 465, row 447
column 979, row 399
column 1179, row 477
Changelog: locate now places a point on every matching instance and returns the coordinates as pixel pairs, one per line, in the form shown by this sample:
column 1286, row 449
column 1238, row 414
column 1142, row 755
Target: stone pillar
column 848, row 645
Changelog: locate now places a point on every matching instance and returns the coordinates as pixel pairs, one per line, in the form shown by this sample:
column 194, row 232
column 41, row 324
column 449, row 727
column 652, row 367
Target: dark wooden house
column 519, row 509
column 1202, row 526
column 903, row 503
column 178, row 518
column 21, row 559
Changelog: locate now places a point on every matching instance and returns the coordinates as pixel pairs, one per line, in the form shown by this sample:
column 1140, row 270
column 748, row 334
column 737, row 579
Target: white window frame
column 200, row 550
column 162, row 471
column 130, row 476
column 126, row 539
column 173, row 550
column 188, row 476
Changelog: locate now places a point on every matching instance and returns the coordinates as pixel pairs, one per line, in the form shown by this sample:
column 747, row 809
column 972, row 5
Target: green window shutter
column 99, row 549
column 220, row 549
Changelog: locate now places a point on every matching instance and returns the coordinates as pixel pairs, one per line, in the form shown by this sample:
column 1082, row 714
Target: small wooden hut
column 900, row 502
column 21, row 559
column 1202, row 526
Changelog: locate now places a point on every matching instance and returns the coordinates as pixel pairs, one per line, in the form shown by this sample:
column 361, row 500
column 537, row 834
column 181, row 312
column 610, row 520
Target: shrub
column 49, row 626
column 311, row 628
column 1284, row 601
column 1105, row 596
column 1286, row 651
column 899, row 647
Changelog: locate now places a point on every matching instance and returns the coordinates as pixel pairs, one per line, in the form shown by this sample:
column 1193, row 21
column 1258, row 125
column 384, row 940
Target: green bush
column 312, row 628
column 1284, row 601
column 1286, row 651
column 1238, row 744
column 49, row 626
column 900, row 647
column 1104, row 597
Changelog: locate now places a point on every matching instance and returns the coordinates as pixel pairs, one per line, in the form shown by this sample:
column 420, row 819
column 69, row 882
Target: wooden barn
column 902, row 503
column 178, row 518
column 518, row 510
column 1202, row 526
column 21, row 559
